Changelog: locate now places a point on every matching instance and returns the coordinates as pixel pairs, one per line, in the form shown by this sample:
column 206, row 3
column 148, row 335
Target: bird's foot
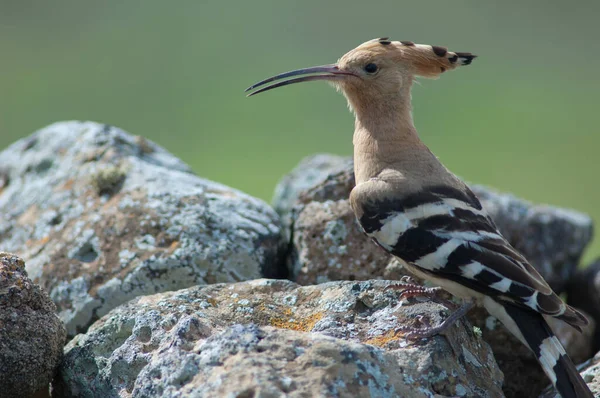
column 408, row 289
column 416, row 333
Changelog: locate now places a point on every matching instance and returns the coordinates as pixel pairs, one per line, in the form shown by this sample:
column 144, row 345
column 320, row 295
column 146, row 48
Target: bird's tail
column 551, row 355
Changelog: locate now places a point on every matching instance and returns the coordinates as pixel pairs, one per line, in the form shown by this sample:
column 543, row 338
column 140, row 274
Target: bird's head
column 375, row 70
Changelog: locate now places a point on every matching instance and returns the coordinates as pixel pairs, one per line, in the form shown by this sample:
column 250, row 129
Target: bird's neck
column 385, row 137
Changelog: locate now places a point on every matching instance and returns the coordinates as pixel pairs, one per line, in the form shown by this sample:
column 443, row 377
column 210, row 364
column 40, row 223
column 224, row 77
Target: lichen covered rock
column 275, row 338
column 102, row 216
column 31, row 335
column 327, row 242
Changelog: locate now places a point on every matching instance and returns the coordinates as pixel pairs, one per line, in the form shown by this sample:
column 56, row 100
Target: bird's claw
column 411, row 289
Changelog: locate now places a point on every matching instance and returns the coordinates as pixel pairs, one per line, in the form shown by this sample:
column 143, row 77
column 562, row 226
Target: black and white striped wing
column 446, row 232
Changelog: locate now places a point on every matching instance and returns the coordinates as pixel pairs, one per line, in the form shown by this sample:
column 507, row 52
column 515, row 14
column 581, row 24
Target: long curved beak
column 324, row 72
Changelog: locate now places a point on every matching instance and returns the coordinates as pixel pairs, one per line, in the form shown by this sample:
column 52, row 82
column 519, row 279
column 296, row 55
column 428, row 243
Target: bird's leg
column 412, row 333
column 410, row 289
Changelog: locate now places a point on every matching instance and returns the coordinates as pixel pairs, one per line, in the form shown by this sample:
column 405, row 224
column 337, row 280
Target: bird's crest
column 420, row 59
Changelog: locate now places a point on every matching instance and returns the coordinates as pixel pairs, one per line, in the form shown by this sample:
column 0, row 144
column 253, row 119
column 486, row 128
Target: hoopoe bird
column 417, row 210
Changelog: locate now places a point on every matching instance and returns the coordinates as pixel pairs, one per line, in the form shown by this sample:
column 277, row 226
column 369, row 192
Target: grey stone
column 327, row 243
column 590, row 372
column 273, row 338
column 31, row 335
column 102, row 216
column 315, row 195
column 309, row 173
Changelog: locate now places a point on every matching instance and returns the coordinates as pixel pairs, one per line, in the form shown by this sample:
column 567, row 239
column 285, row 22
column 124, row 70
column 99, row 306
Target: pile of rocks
column 167, row 284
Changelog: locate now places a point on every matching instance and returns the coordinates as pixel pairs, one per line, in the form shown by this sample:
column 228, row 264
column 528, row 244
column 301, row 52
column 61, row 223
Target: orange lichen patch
column 40, row 242
column 380, row 341
column 212, row 302
column 174, row 245
column 20, row 283
column 287, row 312
column 263, row 309
column 43, row 241
column 302, row 324
column 68, row 185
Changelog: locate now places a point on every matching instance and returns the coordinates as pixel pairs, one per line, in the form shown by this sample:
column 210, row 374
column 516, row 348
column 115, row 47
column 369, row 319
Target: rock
column 334, row 339
column 31, row 335
column 313, row 201
column 311, row 172
column 591, row 374
column 583, row 291
column 102, row 217
column 329, row 246
column 327, row 243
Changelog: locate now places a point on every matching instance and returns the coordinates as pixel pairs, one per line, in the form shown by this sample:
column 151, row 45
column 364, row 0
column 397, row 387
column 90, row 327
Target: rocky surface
column 591, row 374
column 334, row 339
column 102, row 216
column 312, row 172
column 313, row 202
column 327, row 243
column 31, row 335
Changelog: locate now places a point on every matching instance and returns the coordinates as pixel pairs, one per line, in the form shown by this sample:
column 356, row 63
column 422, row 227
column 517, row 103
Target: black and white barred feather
column 444, row 233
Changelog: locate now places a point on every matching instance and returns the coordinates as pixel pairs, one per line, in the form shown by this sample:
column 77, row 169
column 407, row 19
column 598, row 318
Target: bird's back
column 443, row 231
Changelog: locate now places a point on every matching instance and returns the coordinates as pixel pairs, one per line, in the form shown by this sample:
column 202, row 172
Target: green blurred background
column 523, row 118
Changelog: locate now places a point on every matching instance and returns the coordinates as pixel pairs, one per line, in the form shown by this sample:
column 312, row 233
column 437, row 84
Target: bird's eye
column 371, row 68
